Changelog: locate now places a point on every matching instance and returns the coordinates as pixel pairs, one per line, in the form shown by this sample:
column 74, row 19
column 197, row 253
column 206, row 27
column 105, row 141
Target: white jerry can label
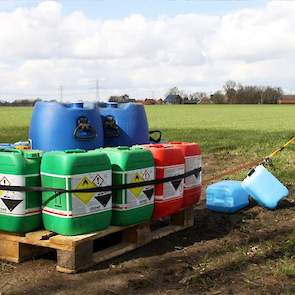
column 143, row 195
column 92, row 202
column 138, row 196
column 14, row 203
column 191, row 163
column 172, row 189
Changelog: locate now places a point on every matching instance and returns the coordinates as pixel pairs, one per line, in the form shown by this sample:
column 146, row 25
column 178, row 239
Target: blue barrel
column 124, row 124
column 61, row 126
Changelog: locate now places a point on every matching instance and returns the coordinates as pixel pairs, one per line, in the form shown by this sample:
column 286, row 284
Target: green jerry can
column 76, row 213
column 131, row 165
column 20, row 212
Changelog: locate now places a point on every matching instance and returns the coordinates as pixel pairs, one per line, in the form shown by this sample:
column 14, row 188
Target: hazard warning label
column 13, row 203
column 191, row 163
column 91, row 202
column 139, row 196
column 173, row 189
column 85, row 183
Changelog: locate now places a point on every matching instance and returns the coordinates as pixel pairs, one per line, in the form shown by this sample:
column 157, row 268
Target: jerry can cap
column 112, row 104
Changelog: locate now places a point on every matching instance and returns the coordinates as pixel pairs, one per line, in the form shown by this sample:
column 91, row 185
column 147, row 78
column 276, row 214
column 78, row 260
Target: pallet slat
column 75, row 253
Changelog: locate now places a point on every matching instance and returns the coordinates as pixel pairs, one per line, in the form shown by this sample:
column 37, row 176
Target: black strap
column 59, row 191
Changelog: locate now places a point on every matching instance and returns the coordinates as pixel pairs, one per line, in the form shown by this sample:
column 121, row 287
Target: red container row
column 173, row 159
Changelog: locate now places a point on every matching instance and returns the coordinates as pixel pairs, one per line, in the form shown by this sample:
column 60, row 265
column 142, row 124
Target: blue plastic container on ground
column 61, row 126
column 264, row 188
column 226, row 196
column 124, row 124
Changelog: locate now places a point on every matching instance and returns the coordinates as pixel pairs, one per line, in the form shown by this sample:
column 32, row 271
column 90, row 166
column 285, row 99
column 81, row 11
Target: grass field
column 243, row 132
column 249, row 252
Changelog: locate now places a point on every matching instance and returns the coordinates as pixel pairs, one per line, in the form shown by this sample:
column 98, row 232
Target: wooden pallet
column 75, row 253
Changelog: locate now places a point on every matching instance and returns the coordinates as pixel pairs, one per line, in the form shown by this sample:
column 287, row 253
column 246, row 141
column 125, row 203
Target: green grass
column 243, row 131
column 225, row 126
column 15, row 123
column 286, row 267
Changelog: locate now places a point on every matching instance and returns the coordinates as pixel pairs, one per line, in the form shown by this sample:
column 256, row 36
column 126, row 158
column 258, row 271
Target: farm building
column 121, row 99
column 205, row 100
column 287, row 99
column 150, row 101
column 173, row 99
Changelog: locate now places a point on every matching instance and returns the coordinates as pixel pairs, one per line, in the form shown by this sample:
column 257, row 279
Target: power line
column 97, row 89
column 61, row 92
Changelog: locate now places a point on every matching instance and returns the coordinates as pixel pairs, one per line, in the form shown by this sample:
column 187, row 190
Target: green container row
column 79, row 212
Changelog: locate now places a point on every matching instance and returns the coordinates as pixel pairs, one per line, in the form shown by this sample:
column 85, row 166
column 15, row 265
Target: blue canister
column 226, row 196
column 124, row 124
column 61, row 126
column 264, row 188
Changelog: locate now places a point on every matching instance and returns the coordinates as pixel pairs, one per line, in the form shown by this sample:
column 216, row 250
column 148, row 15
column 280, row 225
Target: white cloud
column 41, row 48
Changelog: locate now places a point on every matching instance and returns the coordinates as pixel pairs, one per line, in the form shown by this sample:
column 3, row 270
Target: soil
column 249, row 252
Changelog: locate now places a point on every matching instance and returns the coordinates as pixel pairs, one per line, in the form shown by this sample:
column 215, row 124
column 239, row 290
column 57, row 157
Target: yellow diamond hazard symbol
column 136, row 191
column 84, row 183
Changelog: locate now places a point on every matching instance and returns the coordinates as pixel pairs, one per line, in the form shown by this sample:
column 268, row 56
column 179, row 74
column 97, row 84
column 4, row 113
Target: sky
column 63, row 49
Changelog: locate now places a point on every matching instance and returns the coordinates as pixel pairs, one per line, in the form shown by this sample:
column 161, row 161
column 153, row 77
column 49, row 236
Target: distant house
column 187, row 100
column 149, row 101
column 173, row 99
column 121, row 99
column 287, row 99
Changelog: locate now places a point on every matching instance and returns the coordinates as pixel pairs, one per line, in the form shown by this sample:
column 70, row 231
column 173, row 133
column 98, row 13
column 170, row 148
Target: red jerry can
column 193, row 160
column 169, row 161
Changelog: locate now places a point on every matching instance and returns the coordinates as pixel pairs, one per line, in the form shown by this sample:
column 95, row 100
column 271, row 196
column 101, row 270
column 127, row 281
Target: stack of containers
column 20, row 212
column 193, row 183
column 169, row 161
column 131, row 165
column 76, row 213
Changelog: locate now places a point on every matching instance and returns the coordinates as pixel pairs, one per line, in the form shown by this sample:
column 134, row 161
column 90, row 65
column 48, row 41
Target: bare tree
column 217, row 97
column 230, row 89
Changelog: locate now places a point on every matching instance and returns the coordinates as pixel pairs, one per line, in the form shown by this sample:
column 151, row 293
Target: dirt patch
column 250, row 252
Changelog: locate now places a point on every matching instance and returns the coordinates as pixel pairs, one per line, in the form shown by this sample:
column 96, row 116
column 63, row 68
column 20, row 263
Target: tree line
column 19, row 102
column 235, row 93
column 231, row 93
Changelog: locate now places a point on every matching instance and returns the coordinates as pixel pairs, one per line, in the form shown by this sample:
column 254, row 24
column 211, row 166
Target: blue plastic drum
column 124, row 124
column 60, row 126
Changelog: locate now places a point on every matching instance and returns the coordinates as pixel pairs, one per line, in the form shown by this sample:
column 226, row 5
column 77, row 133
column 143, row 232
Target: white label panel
column 88, row 203
column 138, row 196
column 13, row 203
column 191, row 163
column 172, row 189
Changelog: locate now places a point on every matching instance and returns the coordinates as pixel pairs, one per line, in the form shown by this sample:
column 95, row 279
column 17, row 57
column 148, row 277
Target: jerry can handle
column 83, row 126
column 251, row 172
column 155, row 140
column 110, row 127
